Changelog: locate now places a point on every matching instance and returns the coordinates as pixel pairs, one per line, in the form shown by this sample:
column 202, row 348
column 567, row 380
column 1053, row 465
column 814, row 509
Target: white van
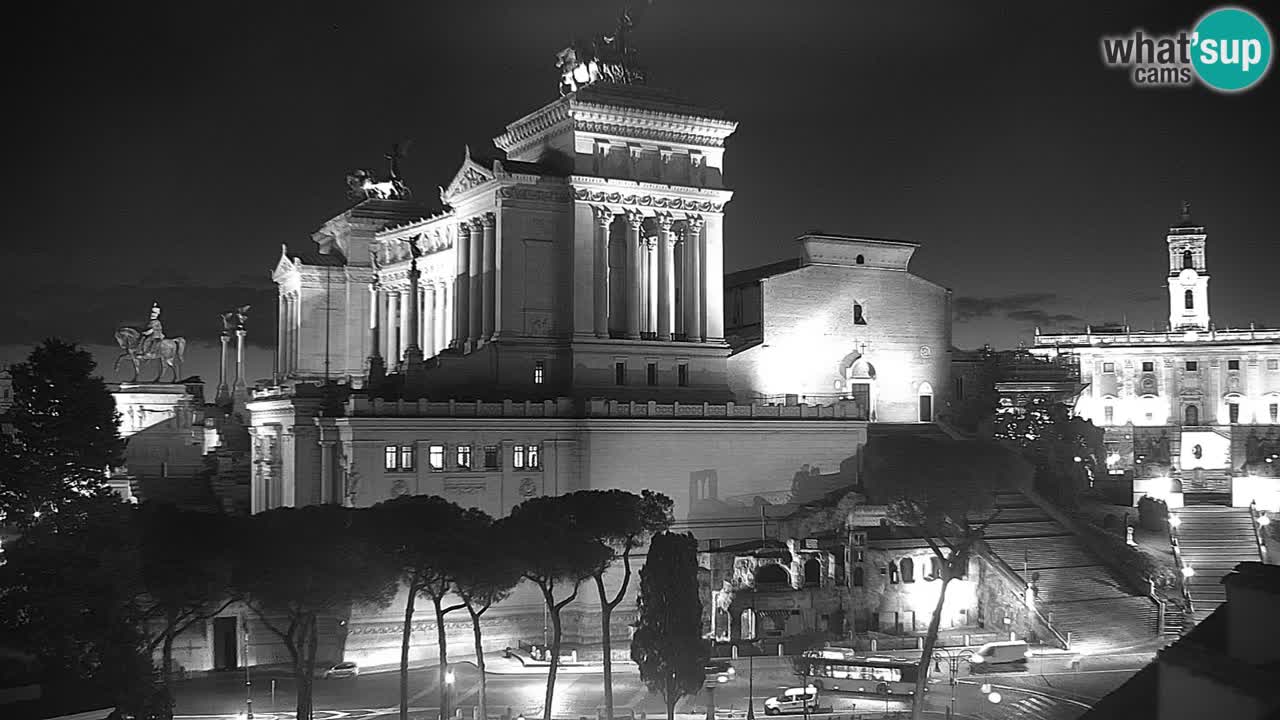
column 1001, row 653
column 794, row 700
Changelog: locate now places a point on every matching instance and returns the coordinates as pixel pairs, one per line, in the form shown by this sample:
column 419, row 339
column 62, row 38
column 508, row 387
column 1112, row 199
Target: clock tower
column 1188, row 276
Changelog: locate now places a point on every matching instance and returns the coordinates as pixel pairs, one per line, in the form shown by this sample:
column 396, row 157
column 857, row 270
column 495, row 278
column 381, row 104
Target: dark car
column 155, row 704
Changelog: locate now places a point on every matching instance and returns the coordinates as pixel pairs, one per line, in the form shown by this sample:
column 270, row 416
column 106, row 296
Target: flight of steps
column 928, row 430
column 1075, row 589
column 1214, row 539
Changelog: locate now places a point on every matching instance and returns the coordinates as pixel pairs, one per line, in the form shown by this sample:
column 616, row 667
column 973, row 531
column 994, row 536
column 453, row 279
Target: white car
column 792, row 700
column 343, row 670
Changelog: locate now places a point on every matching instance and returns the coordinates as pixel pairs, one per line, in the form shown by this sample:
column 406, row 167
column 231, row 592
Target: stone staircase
column 1214, row 539
column 1075, row 590
column 928, row 430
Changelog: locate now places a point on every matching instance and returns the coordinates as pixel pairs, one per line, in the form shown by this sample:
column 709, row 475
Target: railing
column 1177, row 558
column 1012, row 576
column 1255, row 518
column 599, row 408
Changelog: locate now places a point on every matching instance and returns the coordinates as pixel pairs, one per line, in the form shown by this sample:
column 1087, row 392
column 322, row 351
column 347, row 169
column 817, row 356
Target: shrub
column 1153, row 514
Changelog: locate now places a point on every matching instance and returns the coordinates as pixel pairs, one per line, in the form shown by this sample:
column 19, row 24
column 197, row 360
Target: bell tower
column 1188, row 275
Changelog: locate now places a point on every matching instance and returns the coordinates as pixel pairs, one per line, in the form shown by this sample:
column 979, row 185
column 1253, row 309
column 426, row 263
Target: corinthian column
column 693, row 288
column 462, row 287
column 394, row 329
column 651, row 286
column 475, row 319
column 429, row 297
column 634, row 221
column 489, row 314
column 666, row 276
column 603, row 218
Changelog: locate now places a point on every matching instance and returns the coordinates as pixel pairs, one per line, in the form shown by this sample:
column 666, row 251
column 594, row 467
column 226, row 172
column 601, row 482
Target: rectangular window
column 491, row 456
column 406, row 457
column 1148, row 367
column 1192, row 366
column 464, row 457
column 1108, row 367
column 651, row 373
column 533, row 457
column 1233, row 364
column 1273, row 364
column 435, row 456
column 1109, row 413
column 539, row 371
column 1233, row 412
column 517, row 458
column 682, row 374
column 391, row 457
column 619, row 373
column 1274, row 409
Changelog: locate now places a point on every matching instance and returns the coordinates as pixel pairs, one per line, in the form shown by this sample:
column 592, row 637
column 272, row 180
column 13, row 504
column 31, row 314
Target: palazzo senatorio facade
column 560, row 326
column 1191, row 414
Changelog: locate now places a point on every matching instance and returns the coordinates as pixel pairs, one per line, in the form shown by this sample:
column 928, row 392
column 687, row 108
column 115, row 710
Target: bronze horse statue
column 168, row 352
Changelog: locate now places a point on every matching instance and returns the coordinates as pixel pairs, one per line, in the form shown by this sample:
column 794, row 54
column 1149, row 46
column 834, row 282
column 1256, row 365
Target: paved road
column 1050, row 688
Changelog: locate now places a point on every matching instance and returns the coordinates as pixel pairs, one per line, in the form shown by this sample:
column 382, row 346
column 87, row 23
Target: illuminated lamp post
column 448, row 691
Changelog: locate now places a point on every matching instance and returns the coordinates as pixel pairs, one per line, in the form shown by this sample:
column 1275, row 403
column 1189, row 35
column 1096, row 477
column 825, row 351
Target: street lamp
column 248, row 683
column 448, row 691
column 952, row 658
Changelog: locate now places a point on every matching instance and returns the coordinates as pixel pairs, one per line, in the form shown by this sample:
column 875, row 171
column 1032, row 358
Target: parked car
column 792, row 700
column 343, row 670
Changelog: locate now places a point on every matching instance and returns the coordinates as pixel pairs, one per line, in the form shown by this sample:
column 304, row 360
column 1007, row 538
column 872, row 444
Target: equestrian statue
column 149, row 343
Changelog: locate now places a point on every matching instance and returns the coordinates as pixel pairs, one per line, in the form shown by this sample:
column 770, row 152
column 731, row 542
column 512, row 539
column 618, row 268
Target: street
column 1057, row 687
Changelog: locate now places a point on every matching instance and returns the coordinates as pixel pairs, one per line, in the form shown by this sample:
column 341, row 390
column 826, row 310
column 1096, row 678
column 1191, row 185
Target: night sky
column 164, row 151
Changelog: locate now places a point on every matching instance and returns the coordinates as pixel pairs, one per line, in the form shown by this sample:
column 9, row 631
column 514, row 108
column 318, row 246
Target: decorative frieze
column 617, row 198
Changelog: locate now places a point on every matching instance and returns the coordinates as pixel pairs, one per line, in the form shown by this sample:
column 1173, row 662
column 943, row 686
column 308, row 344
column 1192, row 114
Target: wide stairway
column 1213, row 540
column 1075, row 590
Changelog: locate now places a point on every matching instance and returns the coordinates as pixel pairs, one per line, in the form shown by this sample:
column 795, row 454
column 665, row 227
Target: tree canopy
column 668, row 645
column 65, row 435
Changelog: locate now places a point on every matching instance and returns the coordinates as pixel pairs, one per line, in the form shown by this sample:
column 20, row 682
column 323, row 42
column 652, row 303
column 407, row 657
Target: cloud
column 1040, row 318
column 971, row 308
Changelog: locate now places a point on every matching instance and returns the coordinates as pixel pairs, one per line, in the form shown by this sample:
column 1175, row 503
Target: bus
column 840, row 670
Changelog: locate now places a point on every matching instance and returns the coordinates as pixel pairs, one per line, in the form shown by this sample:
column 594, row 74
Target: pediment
column 471, row 175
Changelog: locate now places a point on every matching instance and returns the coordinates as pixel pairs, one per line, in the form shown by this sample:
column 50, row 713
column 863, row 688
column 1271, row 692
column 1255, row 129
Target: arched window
column 813, row 572
column 857, row 315
column 859, row 578
column 1187, row 262
column 772, row 575
column 908, row 570
column 935, row 567
column 893, row 573
column 1191, row 415
column 1189, row 300
column 860, row 260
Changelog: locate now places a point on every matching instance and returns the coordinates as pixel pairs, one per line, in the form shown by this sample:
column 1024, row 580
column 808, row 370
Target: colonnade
column 650, row 277
column 290, row 322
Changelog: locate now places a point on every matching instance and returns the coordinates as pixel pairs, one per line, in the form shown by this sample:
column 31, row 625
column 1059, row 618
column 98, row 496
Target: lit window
column 1233, row 364
column 1189, row 300
column 517, row 460
column 619, row 373
column 682, row 374
column 391, row 457
column 406, row 457
column 531, row 454
column 435, row 456
column 464, row 456
column 1233, row 412
column 1109, row 413
column 1148, row 367
column 651, row 373
column 908, row 570
column 1108, row 367
column 1192, row 366
column 539, row 370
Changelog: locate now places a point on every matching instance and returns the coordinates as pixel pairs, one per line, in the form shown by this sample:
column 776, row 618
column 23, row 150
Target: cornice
column 535, row 124
column 649, row 195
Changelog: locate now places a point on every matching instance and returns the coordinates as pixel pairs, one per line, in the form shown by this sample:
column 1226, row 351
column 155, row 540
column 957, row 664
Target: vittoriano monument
column 142, row 345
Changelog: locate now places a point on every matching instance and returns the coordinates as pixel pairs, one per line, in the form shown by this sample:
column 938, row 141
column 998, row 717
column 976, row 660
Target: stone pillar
column 294, row 321
column 377, row 368
column 475, row 304
column 448, row 333
column 282, row 312
column 603, row 218
column 678, row 327
column 666, row 277
column 429, row 297
column 223, row 394
column 393, row 328
column 327, row 494
column 488, row 279
column 713, row 278
column 651, row 286
column 411, row 308
column 239, row 384
column 693, row 279
column 461, row 294
column 634, row 221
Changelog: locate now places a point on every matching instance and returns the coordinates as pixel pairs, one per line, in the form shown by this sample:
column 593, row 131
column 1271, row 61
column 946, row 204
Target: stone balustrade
column 598, row 408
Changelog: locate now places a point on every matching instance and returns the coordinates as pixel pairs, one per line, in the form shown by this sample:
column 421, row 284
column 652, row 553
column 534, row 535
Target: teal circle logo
column 1231, row 49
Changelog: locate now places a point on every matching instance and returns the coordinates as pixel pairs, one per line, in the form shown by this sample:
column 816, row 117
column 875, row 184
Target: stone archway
column 860, row 381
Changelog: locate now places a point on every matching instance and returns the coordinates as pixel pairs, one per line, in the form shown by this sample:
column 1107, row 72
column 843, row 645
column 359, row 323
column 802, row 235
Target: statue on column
column 234, row 320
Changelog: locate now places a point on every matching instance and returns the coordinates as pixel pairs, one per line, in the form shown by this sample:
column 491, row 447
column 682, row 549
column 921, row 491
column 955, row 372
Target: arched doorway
column 772, row 575
column 926, row 402
column 908, row 570
column 860, row 382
